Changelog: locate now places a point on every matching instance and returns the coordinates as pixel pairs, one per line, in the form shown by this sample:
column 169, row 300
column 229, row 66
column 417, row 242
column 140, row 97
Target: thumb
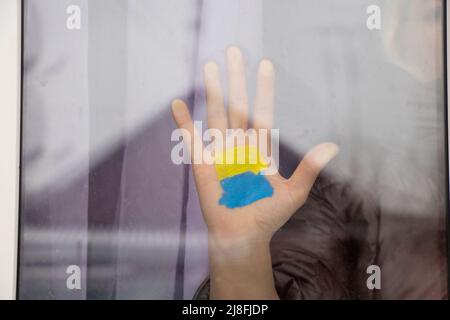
column 303, row 178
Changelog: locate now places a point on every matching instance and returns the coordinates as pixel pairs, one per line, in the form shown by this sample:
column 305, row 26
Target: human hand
column 260, row 219
column 239, row 237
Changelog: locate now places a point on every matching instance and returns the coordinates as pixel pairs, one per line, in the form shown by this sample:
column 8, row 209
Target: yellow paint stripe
column 238, row 160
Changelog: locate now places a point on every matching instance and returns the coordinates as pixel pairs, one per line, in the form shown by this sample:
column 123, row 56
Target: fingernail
column 234, row 52
column 211, row 67
column 177, row 106
column 266, row 67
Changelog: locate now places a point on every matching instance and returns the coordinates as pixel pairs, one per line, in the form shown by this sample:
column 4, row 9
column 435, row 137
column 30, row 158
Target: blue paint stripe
column 244, row 189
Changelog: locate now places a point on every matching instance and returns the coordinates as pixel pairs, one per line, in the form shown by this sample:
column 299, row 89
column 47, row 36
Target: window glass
column 105, row 212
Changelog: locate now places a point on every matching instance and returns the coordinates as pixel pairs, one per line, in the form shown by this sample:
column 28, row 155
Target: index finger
column 205, row 174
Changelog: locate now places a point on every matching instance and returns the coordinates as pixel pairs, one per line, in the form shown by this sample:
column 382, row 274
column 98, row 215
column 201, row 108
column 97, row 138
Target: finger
column 265, row 96
column 265, row 99
column 217, row 118
column 205, row 174
column 303, row 178
column 237, row 100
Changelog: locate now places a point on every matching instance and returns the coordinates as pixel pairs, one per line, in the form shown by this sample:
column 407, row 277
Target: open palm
column 260, row 219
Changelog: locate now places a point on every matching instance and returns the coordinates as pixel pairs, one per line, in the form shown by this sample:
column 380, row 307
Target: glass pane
column 106, row 211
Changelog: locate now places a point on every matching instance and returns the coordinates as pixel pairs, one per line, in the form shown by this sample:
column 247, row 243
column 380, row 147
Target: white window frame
column 10, row 78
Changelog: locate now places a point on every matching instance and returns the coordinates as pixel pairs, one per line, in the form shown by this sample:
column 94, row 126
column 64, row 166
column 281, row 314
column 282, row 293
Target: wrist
column 219, row 244
column 241, row 269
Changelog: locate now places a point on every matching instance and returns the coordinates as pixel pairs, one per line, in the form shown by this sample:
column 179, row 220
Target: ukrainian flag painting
column 239, row 171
